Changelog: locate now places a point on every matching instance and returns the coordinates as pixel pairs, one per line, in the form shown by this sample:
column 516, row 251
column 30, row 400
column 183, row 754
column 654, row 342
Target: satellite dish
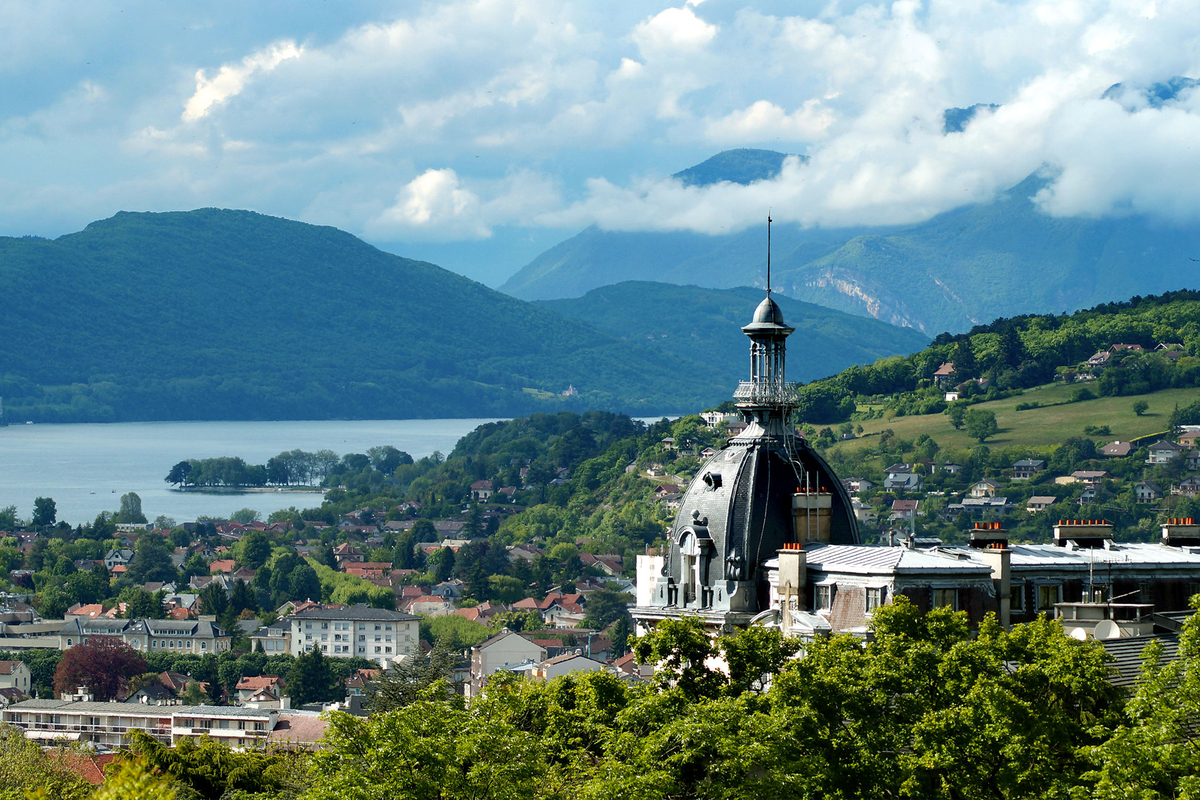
column 1107, row 629
column 1078, row 633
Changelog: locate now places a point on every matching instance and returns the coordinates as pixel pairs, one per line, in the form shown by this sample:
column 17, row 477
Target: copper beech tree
column 103, row 664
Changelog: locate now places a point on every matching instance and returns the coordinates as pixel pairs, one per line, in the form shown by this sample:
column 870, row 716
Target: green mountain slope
column 702, row 325
column 214, row 314
column 956, row 270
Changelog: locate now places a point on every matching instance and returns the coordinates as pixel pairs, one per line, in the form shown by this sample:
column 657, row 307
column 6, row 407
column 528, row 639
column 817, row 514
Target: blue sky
column 476, row 134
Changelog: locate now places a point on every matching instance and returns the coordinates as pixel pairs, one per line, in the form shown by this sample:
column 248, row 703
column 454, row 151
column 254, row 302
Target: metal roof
column 874, row 560
column 355, row 612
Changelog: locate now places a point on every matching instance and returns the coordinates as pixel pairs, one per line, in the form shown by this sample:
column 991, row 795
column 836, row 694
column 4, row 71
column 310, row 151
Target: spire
column 768, row 253
column 767, row 397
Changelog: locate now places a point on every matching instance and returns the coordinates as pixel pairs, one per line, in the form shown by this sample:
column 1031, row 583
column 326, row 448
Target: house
column 664, row 489
column 222, row 566
column 430, row 605
column 1162, row 452
column 949, row 467
column 1040, row 502
column 859, row 485
column 358, row 683
column 505, row 650
column 16, row 675
column 945, row 374
column 1117, row 449
column 1121, row 348
column 950, row 396
column 1099, row 360
column 250, row 686
column 1026, row 468
column 565, row 664
column 1091, row 494
column 983, row 488
column 1147, row 492
column 714, row 418
column 1091, row 477
column 481, row 491
column 985, row 506
column 863, row 512
column 627, row 666
column 1189, row 438
column 1188, row 487
column 904, row 509
column 359, row 630
column 117, row 558
column 347, row 553
column 1193, row 459
column 901, row 478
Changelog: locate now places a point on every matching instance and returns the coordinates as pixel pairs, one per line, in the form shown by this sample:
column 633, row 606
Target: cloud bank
column 449, row 121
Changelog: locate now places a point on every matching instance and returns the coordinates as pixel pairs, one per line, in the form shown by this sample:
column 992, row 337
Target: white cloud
column 232, row 78
column 763, row 120
column 673, row 30
column 436, row 204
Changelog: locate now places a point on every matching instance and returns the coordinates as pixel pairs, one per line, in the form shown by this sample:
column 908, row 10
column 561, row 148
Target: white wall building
column 356, row 631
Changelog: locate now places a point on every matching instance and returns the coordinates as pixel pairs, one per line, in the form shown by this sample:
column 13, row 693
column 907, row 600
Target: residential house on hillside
column 983, row 488
column 901, row 478
column 945, row 375
column 1117, row 449
column 249, row 686
column 1026, row 468
column 16, row 675
column 904, row 509
column 347, row 553
column 481, row 491
column 1091, row 477
column 1162, row 452
column 117, row 558
column 1188, row 487
column 1040, row 502
column 987, row 507
column 1147, row 492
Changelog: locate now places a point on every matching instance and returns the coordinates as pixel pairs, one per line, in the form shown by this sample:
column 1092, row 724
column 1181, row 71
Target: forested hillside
column 703, row 325
column 215, row 314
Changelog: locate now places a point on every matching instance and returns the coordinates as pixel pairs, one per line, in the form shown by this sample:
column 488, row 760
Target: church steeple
column 767, row 398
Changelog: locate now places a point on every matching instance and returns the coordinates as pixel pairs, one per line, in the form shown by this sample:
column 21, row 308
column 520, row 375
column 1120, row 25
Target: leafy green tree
column 682, row 649
column 445, row 565
column 622, row 629
column 404, row 555
column 140, row 604
column 429, row 750
column 179, row 473
column 1140, row 407
column 253, row 549
column 213, row 599
column 152, row 560
column 981, row 424
column 27, row 771
column 958, row 414
column 403, row 685
column 131, row 509
column 303, row 584
column 310, row 680
column 423, row 531
column 453, row 632
column 604, row 607
column 244, row 515
column 8, row 518
column 212, row 769
column 45, row 512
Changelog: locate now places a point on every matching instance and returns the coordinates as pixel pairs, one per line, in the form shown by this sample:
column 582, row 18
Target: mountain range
column 218, row 314
column 959, row 269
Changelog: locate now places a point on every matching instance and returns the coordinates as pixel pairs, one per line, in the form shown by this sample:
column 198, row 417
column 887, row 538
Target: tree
column 404, row 554
column 131, row 510
column 604, row 607
column 152, row 560
column 8, row 518
column 209, row 768
column 179, row 473
column 980, row 424
column 102, row 663
column 1140, row 407
column 214, row 600
column 25, row 770
column 244, row 515
column 253, row 549
column 957, row 413
column 403, row 685
column 445, row 565
column 310, row 681
column 140, row 604
column 303, row 583
column 621, row 631
column 386, row 459
column 45, row 512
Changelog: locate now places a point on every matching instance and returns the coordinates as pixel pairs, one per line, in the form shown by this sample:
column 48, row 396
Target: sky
column 477, row 134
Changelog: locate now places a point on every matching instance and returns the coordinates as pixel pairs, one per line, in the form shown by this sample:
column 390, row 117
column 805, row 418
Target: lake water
column 86, row 468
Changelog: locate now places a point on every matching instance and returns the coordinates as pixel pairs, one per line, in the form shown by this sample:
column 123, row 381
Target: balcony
column 773, row 393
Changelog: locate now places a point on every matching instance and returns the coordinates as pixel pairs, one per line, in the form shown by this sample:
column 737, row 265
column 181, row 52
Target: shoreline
column 251, row 490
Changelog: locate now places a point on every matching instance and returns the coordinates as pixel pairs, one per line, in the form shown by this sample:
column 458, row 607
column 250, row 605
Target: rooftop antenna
column 768, row 251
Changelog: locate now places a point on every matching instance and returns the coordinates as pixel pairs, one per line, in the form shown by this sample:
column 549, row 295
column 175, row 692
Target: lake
column 86, row 468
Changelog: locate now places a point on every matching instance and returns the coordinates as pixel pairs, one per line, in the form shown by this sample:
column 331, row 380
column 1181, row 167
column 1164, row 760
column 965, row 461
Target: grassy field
column 1041, row 427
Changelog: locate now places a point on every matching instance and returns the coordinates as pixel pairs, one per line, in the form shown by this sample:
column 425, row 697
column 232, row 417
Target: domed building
column 766, row 491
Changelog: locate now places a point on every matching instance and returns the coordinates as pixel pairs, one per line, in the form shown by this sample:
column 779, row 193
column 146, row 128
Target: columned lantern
column 766, row 490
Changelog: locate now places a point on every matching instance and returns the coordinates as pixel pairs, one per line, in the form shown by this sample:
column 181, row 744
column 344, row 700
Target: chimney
column 1181, row 532
column 791, row 582
column 990, row 542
